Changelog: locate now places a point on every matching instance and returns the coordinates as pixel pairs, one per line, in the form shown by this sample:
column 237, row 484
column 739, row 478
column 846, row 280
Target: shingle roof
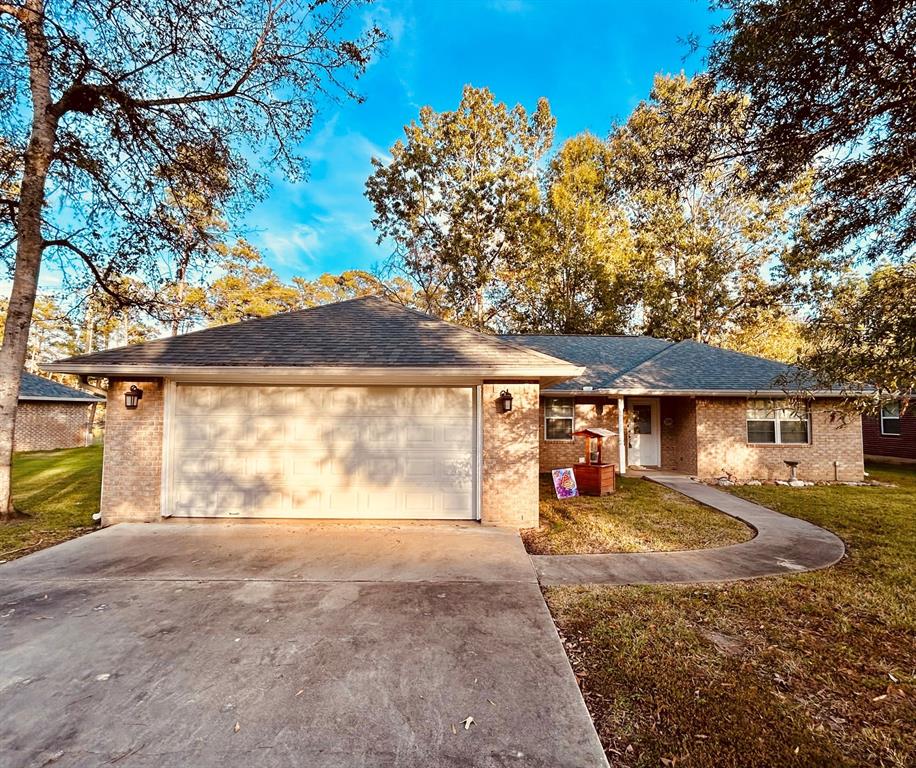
column 38, row 388
column 690, row 365
column 370, row 332
column 605, row 357
column 642, row 363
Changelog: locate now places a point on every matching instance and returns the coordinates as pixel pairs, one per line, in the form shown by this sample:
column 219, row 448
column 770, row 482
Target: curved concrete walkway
column 782, row 545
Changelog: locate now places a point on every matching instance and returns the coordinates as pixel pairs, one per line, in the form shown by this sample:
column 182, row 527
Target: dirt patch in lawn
column 808, row 670
column 640, row 517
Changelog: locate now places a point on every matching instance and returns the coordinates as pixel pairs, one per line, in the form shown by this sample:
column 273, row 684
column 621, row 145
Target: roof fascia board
column 46, row 398
column 329, row 375
column 690, row 392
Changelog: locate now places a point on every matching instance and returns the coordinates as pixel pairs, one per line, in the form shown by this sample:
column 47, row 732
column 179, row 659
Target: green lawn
column 56, row 493
column 639, row 517
column 809, row 670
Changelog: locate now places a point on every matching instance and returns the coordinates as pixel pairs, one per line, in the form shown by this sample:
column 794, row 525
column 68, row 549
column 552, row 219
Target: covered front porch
column 657, row 432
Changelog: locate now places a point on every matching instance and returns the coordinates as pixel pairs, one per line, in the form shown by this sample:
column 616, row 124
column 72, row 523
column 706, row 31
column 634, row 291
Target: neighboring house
column 51, row 415
column 365, row 409
column 891, row 435
column 690, row 407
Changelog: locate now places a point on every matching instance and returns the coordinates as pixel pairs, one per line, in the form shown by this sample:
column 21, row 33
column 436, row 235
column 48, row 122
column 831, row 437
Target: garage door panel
column 323, row 452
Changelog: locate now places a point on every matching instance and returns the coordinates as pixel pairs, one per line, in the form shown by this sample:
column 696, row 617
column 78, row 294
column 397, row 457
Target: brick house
column 365, row 409
column 691, row 408
column 891, row 434
column 51, row 415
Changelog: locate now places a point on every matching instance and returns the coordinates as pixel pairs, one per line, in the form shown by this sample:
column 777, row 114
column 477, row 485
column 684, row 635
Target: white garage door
column 370, row 452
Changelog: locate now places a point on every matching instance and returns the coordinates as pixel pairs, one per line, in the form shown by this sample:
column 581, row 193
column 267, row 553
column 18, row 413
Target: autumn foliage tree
column 709, row 252
column 832, row 87
column 577, row 275
column 99, row 96
column 459, row 199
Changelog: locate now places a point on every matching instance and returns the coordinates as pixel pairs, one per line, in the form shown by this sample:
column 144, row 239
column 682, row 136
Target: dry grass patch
column 640, row 517
column 809, row 670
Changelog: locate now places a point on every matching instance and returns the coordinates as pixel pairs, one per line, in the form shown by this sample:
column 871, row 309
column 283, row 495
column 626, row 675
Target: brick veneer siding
column 565, row 453
column 678, row 424
column 509, row 482
column 43, row 425
column 132, row 464
column 723, row 447
column 902, row 446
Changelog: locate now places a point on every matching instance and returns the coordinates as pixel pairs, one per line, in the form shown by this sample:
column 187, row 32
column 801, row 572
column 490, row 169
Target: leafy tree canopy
column 710, row 254
column 576, row 278
column 459, row 197
column 831, row 85
column 864, row 335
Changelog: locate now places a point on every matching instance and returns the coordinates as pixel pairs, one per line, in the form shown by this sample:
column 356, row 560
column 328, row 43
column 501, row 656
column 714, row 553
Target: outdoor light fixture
column 505, row 399
column 132, row 397
column 599, row 409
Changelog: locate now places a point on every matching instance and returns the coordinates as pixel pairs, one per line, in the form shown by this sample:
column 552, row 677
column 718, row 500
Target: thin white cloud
column 323, row 224
column 294, row 247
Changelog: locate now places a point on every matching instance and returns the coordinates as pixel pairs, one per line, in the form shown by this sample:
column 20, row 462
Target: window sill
column 782, row 445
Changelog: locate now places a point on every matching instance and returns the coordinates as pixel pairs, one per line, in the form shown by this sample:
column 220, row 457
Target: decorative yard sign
column 564, row 482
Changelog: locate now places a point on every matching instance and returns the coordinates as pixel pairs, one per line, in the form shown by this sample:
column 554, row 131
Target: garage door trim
column 171, row 395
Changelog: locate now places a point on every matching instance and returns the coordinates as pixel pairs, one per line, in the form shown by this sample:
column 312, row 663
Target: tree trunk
column 29, row 239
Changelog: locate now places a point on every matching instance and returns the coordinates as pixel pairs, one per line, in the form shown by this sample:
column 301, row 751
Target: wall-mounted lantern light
column 599, row 409
column 505, row 400
column 132, row 397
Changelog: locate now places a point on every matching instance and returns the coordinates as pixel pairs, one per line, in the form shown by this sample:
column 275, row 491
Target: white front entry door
column 357, row 452
column 644, row 444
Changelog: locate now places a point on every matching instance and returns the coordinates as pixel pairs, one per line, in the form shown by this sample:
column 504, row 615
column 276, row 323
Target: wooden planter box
column 595, row 479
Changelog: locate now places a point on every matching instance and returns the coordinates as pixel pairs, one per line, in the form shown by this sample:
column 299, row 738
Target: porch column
column 621, row 438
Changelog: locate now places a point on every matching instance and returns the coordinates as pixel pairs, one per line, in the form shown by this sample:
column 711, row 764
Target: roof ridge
column 229, row 325
column 625, row 371
column 494, row 336
column 736, row 352
column 588, row 336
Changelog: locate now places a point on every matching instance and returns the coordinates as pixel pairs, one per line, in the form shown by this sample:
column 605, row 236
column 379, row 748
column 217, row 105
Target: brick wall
column 132, row 465
column 678, row 420
column 509, row 482
column 565, row 453
column 902, row 446
column 723, row 447
column 43, row 425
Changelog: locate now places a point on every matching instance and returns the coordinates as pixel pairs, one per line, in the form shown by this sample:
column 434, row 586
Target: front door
column 643, row 440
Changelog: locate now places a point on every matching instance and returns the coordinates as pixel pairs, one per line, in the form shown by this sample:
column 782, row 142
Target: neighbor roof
column 357, row 335
column 645, row 365
column 38, row 388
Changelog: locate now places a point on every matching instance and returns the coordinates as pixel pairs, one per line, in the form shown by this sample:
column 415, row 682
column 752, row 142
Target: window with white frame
column 559, row 415
column 890, row 419
column 776, row 422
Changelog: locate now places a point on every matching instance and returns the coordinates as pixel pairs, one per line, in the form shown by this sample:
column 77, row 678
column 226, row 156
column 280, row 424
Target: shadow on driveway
column 239, row 644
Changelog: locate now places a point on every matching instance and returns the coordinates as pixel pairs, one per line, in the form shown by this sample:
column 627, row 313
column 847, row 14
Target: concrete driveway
column 234, row 644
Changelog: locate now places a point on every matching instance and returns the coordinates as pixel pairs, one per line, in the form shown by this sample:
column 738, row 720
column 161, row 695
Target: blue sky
column 594, row 61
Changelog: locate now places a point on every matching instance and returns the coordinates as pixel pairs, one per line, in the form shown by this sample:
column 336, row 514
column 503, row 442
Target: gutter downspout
column 621, row 438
